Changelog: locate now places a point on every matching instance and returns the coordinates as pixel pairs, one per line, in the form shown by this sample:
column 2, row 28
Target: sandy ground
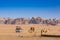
column 7, row 32
column 10, row 29
column 28, row 38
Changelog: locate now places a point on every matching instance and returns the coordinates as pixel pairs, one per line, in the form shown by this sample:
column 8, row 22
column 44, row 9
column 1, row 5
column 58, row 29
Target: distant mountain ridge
column 33, row 20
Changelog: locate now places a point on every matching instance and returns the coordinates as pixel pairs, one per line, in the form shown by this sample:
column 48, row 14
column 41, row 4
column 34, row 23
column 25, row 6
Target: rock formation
column 33, row 20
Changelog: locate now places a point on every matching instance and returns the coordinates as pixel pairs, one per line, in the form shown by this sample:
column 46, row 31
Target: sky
column 30, row 8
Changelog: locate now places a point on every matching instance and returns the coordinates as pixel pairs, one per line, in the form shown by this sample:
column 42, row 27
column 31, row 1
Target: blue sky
column 29, row 8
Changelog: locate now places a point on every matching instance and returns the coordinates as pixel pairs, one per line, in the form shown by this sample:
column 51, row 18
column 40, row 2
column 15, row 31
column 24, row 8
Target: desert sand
column 9, row 37
column 8, row 32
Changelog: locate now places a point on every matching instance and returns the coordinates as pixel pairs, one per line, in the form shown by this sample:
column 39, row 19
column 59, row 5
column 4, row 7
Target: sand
column 7, row 32
column 28, row 38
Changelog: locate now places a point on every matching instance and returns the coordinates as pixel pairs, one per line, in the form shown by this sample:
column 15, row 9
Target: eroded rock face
column 33, row 20
column 8, row 20
column 36, row 20
column 18, row 20
column 2, row 20
column 26, row 20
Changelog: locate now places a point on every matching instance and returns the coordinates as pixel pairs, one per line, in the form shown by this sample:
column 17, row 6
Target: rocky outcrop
column 36, row 20
column 18, row 21
column 9, row 20
column 2, row 20
column 33, row 20
column 26, row 21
